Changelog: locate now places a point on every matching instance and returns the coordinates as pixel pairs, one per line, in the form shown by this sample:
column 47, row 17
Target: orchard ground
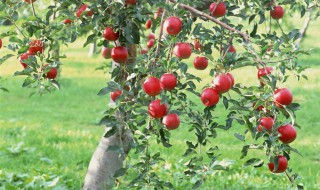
column 55, row 135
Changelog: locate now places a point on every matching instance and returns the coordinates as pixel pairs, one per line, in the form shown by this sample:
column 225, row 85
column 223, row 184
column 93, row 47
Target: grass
column 59, row 131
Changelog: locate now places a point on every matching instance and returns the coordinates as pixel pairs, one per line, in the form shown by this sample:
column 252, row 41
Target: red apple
column 264, row 71
column 172, row 25
column 265, row 122
column 200, row 63
column 67, row 21
column 277, row 12
column 24, row 56
column 130, row 2
column 52, row 73
column 168, row 81
column 158, row 13
column 143, row 51
column 115, row 95
column 282, row 96
column 197, row 45
column 29, row 1
column 81, row 9
column 231, row 78
column 119, row 54
column 151, row 86
column 232, row 49
column 110, row 35
column 259, row 108
column 150, row 43
column 182, row 50
column 151, row 36
column 218, row 11
column 222, row 83
column 209, row 97
column 282, row 165
column 288, row 133
column 171, row 121
column 0, row 43
column 157, row 110
column 36, row 46
column 106, row 52
column 148, row 24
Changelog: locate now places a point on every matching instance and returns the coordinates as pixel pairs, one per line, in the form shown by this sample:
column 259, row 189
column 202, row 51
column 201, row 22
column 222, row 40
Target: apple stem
column 280, row 27
column 160, row 36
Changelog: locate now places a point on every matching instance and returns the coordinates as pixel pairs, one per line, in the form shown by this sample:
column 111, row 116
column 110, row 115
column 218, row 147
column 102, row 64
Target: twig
column 160, row 36
column 291, row 180
column 14, row 23
column 280, row 60
column 33, row 10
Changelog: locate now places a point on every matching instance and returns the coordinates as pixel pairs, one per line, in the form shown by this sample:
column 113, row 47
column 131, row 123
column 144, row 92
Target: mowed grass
column 59, row 131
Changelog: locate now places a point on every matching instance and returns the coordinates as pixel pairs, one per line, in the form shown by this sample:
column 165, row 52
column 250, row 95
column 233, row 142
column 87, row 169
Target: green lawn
column 50, row 139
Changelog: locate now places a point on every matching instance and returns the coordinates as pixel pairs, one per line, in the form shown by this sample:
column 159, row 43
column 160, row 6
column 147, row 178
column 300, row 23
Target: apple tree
column 152, row 88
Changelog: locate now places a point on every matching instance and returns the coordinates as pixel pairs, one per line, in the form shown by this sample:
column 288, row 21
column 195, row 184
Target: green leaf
column 4, row 58
column 111, row 132
column 120, row 172
column 197, row 184
column 256, row 162
column 104, row 91
column 239, row 136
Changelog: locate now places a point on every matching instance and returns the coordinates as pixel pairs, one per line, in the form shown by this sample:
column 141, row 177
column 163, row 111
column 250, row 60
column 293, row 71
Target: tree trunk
column 93, row 49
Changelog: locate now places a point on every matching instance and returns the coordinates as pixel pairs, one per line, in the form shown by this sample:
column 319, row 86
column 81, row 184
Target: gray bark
column 93, row 49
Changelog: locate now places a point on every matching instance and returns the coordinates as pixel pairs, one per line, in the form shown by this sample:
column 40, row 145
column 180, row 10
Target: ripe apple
column 115, row 95
column 110, row 35
column 29, row 1
column 151, row 36
column 158, row 13
column 277, row 12
column 151, row 86
column 232, row 49
column 67, row 21
column 52, row 73
column 265, row 122
column 222, row 83
column 264, row 71
column 81, row 9
column 182, row 50
column 143, row 51
column 106, row 52
column 282, row 96
column 130, row 2
column 148, row 24
column 231, row 78
column 282, row 165
column 172, row 25
column 119, row 54
column 168, row 81
column 157, row 110
column 171, row 121
column 0, row 43
column 259, row 108
column 23, row 57
column 200, row 63
column 218, row 11
column 288, row 133
column 36, row 46
column 209, row 97
column 150, row 43
column 197, row 45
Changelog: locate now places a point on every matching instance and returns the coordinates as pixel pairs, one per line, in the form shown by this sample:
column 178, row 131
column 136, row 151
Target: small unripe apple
column 115, row 95
column 130, row 2
column 157, row 110
column 288, row 133
column 67, row 21
column 106, row 52
column 0, row 43
column 264, row 71
column 209, row 97
column 168, row 81
column 282, row 165
column 200, row 63
column 151, row 36
column 119, row 54
column 148, row 24
column 24, row 56
column 151, row 86
column 171, row 121
column 182, row 50
column 232, row 49
column 222, row 83
column 150, row 43
column 172, row 25
column 36, row 46
column 52, row 73
column 265, row 122
column 277, row 12
column 197, row 45
column 231, row 78
column 218, row 11
column 81, row 9
column 29, row 1
column 282, row 96
column 110, row 35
